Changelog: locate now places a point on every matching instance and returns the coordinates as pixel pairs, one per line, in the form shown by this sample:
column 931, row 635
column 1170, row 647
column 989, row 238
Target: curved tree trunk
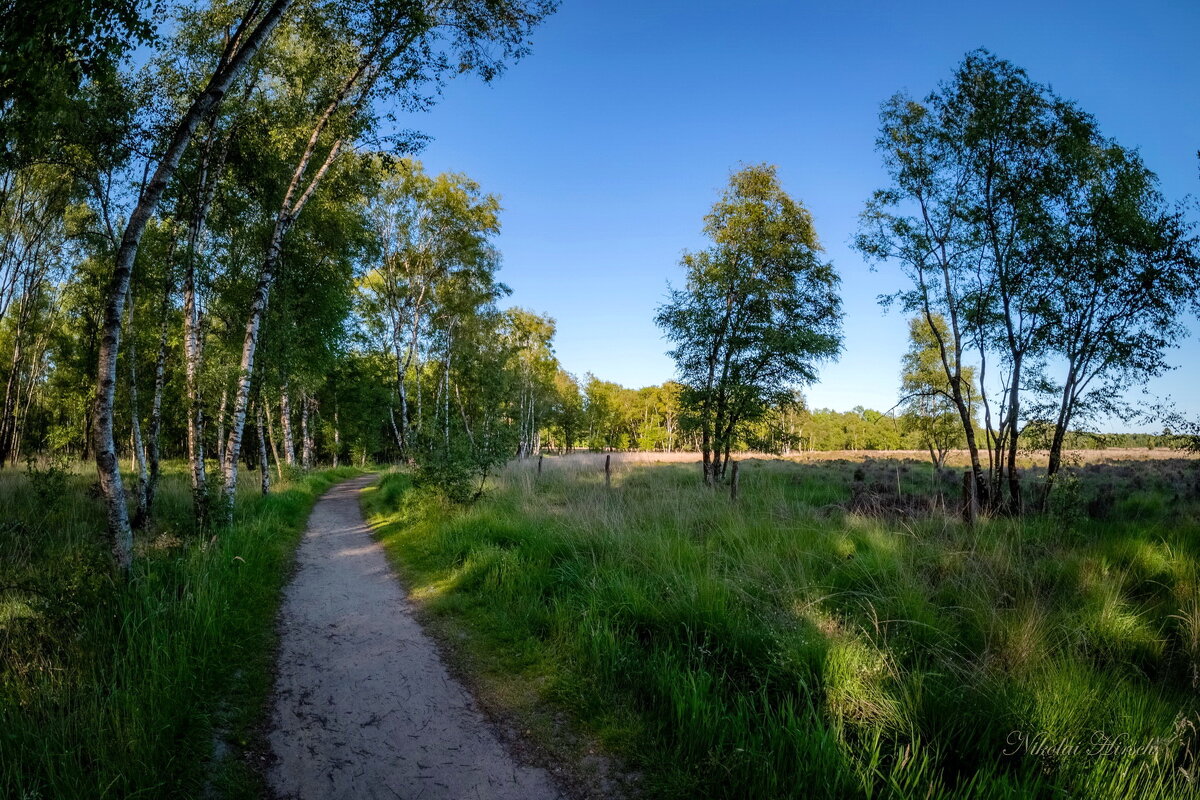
column 250, row 35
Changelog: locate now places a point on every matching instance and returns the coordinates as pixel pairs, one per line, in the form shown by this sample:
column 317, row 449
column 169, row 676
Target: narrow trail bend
column 364, row 706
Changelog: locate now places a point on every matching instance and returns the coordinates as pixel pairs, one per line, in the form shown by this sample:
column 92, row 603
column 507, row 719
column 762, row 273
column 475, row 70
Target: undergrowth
column 114, row 690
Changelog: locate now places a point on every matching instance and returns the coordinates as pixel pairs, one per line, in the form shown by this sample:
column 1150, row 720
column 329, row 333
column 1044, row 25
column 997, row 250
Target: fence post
column 540, row 457
column 970, row 500
column 608, row 471
column 733, row 482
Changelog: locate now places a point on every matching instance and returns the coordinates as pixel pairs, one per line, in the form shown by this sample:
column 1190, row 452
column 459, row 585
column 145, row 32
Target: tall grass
column 137, row 690
column 787, row 646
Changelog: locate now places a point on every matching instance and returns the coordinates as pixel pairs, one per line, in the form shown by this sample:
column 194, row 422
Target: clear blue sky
column 611, row 141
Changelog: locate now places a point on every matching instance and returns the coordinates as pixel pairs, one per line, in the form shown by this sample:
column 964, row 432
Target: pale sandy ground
column 364, row 706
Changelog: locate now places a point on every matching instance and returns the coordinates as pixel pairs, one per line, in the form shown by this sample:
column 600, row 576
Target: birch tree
column 1127, row 268
column 758, row 312
column 428, row 228
column 396, row 51
column 248, row 36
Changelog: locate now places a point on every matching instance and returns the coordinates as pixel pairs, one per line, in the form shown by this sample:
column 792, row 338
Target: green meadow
column 837, row 631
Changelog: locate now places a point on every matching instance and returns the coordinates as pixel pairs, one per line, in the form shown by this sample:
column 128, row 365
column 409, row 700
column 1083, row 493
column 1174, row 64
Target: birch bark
column 252, row 31
column 263, row 466
column 285, row 425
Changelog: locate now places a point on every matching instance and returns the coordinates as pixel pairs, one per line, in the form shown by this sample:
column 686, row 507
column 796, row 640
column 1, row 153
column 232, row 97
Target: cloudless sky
column 610, row 142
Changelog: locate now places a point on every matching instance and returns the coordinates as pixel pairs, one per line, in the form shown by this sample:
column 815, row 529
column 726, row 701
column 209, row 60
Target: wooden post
column 970, row 500
column 608, row 471
column 540, row 457
column 733, row 482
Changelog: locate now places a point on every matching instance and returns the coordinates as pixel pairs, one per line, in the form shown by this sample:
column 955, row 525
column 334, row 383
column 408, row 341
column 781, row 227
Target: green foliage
column 928, row 402
column 47, row 483
column 759, row 310
column 47, row 53
column 1045, row 248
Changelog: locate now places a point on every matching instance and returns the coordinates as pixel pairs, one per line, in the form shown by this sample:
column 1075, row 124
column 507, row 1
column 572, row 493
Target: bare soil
column 364, row 706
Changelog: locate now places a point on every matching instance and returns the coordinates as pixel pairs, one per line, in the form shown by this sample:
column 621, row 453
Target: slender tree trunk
column 1054, row 463
column 8, row 421
column 706, row 451
column 446, row 387
column 306, row 438
column 24, row 415
column 263, row 467
column 419, row 418
column 38, row 363
column 221, row 425
column 1014, row 477
column 266, row 407
column 250, row 453
column 294, row 200
column 285, row 425
column 191, row 356
column 142, row 510
column 245, row 42
column 395, row 430
column 160, row 361
column 258, row 307
column 402, row 368
column 951, row 357
column 337, row 437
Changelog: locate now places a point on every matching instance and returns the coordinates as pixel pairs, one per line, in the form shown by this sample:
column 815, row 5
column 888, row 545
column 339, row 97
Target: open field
column 836, row 632
column 147, row 689
column 956, row 458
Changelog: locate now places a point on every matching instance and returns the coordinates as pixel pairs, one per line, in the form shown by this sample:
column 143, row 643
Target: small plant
column 49, row 482
column 1064, row 503
column 458, row 467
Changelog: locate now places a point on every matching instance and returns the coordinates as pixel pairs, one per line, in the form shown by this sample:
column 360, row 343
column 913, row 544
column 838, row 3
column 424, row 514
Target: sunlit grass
column 789, row 645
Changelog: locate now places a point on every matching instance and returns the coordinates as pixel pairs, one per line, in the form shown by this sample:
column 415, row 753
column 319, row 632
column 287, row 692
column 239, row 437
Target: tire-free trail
column 364, row 706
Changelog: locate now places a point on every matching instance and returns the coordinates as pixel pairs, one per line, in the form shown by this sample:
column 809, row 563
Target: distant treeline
column 601, row 415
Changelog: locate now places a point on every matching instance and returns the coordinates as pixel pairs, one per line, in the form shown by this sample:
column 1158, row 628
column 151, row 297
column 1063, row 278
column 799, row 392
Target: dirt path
column 364, row 707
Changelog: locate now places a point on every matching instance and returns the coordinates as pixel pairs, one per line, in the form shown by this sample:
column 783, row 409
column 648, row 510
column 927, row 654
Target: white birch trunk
column 191, row 355
column 294, row 200
column 245, row 42
column 221, row 426
column 160, row 362
column 263, row 466
column 337, row 437
column 285, row 425
column 306, row 438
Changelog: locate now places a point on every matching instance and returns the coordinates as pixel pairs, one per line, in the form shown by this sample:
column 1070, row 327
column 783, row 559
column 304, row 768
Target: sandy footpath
column 364, row 707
